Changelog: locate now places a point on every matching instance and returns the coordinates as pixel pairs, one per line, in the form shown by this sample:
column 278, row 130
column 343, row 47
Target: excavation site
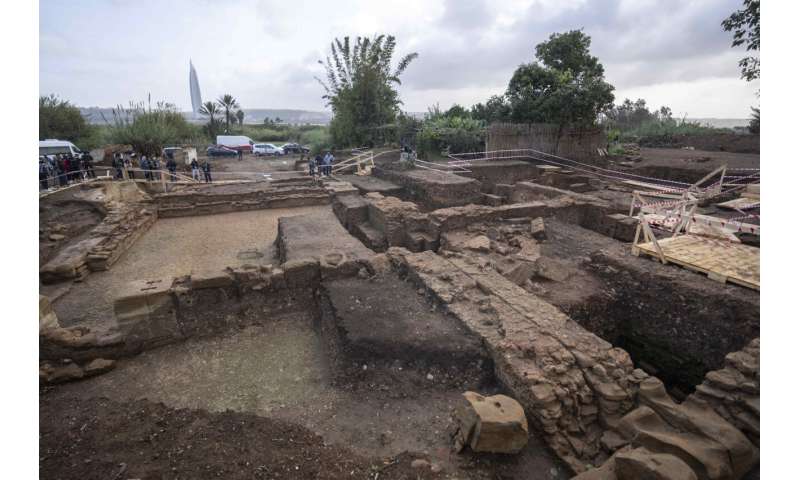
column 504, row 314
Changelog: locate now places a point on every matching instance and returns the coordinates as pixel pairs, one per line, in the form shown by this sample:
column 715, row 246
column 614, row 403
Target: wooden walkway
column 720, row 260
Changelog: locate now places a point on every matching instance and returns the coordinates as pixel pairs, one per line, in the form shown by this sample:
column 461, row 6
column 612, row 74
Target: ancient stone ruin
column 422, row 323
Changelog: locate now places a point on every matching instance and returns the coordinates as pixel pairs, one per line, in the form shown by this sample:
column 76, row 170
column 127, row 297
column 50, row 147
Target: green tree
column 746, row 27
column 360, row 87
column 496, row 109
column 210, row 110
column 457, row 111
column 565, row 87
column 240, row 117
column 228, row 104
column 61, row 120
column 149, row 130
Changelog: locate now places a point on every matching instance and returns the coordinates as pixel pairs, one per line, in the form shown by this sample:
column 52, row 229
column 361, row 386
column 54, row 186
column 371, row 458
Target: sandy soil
column 174, row 247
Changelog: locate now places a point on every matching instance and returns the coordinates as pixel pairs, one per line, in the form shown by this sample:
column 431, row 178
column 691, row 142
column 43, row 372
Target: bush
column 150, row 130
column 453, row 134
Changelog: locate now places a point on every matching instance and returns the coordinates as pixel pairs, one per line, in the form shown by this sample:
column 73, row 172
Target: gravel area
column 178, row 246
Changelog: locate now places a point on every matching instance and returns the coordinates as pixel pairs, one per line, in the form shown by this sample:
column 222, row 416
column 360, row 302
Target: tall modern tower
column 194, row 90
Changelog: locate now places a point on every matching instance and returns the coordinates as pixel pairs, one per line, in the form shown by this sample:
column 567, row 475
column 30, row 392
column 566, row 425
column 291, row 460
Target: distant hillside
column 96, row 115
column 721, row 122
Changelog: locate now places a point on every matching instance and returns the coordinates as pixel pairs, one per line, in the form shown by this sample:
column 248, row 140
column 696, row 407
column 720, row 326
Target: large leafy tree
column 360, row 87
column 565, row 86
column 150, row 129
column 62, row 120
column 746, row 27
column 228, row 105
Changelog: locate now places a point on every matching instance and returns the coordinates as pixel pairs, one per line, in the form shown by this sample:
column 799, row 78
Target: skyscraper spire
column 194, row 90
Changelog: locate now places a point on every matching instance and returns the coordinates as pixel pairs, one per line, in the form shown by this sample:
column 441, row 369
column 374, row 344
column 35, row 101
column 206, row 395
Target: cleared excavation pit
column 328, row 364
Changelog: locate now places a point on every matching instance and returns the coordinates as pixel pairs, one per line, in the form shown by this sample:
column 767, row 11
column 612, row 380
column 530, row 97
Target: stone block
column 641, row 464
column 495, row 424
column 47, row 316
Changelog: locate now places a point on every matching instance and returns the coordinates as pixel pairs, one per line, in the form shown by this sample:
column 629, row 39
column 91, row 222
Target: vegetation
column 360, row 88
column 631, row 121
column 229, row 105
column 746, row 27
column 565, row 87
column 63, row 121
column 149, row 130
column 453, row 131
column 755, row 121
column 210, row 110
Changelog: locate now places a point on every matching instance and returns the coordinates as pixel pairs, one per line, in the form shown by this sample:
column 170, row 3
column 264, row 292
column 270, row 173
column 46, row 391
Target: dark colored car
column 295, row 148
column 221, row 151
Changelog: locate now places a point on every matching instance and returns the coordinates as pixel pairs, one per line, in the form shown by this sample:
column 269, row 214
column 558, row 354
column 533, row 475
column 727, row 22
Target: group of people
column 63, row 169
column 322, row 165
column 150, row 167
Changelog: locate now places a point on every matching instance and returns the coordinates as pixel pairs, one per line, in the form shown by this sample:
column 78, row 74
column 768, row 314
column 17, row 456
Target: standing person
column 144, row 165
column 43, row 173
column 329, row 164
column 311, row 164
column 67, row 168
column 128, row 160
column 117, row 163
column 171, row 166
column 318, row 162
column 155, row 166
column 207, row 171
column 239, row 154
column 195, row 170
column 88, row 165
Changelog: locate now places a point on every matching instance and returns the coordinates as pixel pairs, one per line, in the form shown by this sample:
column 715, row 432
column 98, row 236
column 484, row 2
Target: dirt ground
column 696, row 159
column 153, row 441
column 174, row 247
column 268, row 374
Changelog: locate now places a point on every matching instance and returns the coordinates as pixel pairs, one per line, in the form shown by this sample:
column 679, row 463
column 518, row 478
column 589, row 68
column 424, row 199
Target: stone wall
column 579, row 392
column 105, row 243
column 734, row 391
column 433, row 189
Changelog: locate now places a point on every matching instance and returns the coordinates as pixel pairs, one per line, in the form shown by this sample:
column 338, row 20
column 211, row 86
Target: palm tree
column 240, row 116
column 209, row 109
column 228, row 103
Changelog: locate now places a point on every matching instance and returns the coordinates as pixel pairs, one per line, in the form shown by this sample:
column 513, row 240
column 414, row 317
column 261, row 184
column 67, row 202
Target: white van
column 52, row 146
column 267, row 149
column 236, row 142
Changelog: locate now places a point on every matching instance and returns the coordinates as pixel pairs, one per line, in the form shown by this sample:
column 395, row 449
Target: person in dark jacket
column 88, row 165
column 43, row 173
column 144, row 165
column 171, row 166
column 195, row 169
column 207, row 171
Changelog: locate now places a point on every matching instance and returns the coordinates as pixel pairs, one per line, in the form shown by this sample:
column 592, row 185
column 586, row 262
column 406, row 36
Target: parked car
column 236, row 142
column 295, row 148
column 221, row 151
column 267, row 149
column 53, row 147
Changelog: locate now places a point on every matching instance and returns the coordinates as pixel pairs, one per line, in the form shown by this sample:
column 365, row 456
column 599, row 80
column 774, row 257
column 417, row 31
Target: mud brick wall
column 502, row 172
column 190, row 204
column 432, row 189
column 573, row 144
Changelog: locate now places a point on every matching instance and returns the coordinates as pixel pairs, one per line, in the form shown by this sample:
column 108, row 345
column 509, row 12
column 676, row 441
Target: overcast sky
column 265, row 52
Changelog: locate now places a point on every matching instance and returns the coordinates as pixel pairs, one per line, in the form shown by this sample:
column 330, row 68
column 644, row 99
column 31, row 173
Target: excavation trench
column 372, row 365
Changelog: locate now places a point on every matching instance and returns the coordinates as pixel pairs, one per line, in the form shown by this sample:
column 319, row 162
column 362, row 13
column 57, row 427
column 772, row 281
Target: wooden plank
column 651, row 186
column 737, row 203
column 719, row 260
